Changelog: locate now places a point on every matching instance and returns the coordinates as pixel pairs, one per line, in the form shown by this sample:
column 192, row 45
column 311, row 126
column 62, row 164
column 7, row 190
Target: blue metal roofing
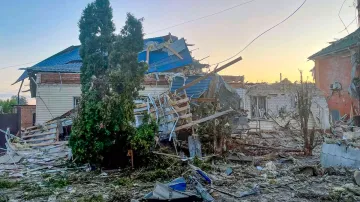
column 163, row 60
column 63, row 57
column 66, row 68
column 23, row 76
column 194, row 91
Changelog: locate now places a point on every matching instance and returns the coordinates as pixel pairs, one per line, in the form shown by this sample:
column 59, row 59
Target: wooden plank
column 173, row 51
column 204, row 100
column 180, row 117
column 41, row 134
column 47, row 144
column 203, row 119
column 44, row 128
column 180, row 101
column 208, row 75
column 141, row 105
column 180, row 109
column 41, row 139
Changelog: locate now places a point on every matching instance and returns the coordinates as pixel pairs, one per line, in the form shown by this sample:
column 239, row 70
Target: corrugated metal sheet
column 162, row 60
column 66, row 68
column 194, row 91
column 63, row 57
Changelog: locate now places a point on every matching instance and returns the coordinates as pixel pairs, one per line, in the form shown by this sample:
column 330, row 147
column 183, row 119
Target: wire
column 342, row 5
column 349, row 25
column 18, row 65
column 200, row 18
column 261, row 35
column 189, row 21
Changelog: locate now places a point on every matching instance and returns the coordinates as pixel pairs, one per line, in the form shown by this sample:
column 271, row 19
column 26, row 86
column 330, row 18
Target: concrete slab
column 334, row 155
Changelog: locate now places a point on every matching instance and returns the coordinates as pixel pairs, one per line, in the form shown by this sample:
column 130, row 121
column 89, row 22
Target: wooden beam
column 173, row 51
column 47, row 144
column 203, row 119
column 40, row 139
column 41, row 134
column 209, row 74
column 203, row 100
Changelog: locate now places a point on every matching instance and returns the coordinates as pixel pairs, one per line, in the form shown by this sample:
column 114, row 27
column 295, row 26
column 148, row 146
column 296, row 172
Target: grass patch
column 31, row 188
column 93, row 198
column 7, row 184
column 201, row 164
column 36, row 194
column 124, row 181
column 57, row 181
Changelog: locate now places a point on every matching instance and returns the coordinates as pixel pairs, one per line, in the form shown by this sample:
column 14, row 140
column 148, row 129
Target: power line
column 18, row 65
column 261, row 35
column 349, row 24
column 342, row 5
column 200, row 18
column 189, row 21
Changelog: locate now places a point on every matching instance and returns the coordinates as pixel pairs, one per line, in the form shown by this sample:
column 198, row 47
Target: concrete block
column 333, row 155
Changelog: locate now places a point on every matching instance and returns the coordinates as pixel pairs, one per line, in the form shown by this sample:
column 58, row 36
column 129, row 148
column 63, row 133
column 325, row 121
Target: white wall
column 319, row 108
column 53, row 100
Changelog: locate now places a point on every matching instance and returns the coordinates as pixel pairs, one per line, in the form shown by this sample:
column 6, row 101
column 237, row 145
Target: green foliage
column 36, row 194
column 201, row 164
column 143, row 138
column 7, row 184
column 110, row 77
column 57, row 181
column 92, row 198
column 7, row 105
column 124, row 181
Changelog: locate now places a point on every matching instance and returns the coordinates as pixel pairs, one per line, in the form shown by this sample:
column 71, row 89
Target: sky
column 31, row 31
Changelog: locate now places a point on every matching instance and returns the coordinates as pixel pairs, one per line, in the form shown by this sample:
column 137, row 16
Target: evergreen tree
column 111, row 77
column 89, row 138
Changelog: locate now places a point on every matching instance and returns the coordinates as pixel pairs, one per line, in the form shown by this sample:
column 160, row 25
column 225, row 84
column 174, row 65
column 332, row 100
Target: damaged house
column 336, row 74
column 174, row 81
column 271, row 105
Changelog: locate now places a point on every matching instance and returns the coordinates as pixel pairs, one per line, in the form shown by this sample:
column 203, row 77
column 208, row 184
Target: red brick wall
column 27, row 112
column 335, row 68
column 54, row 78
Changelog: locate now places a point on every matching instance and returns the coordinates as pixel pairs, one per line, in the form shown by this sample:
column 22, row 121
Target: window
column 258, row 106
column 76, row 102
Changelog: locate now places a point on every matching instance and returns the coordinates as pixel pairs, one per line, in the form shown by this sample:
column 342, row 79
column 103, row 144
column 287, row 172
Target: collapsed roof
column 162, row 53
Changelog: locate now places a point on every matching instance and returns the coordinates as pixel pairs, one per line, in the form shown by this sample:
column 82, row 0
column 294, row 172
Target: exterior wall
column 319, row 108
column 27, row 112
column 54, row 100
column 335, row 68
column 55, row 96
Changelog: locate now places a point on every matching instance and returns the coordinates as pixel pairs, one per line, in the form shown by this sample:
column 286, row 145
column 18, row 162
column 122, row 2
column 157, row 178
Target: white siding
column 154, row 90
column 54, row 100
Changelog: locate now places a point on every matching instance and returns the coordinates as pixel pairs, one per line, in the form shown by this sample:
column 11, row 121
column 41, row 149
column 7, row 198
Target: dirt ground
column 280, row 176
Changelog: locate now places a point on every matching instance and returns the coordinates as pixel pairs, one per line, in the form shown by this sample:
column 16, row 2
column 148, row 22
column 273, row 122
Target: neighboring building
column 335, row 68
column 55, row 81
column 26, row 115
column 267, row 103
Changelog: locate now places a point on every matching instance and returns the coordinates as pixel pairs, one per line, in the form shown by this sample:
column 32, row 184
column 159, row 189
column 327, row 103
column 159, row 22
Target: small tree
column 89, row 139
column 111, row 77
column 304, row 100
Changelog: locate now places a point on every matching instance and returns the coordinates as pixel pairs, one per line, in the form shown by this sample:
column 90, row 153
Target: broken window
column 76, row 101
column 258, row 106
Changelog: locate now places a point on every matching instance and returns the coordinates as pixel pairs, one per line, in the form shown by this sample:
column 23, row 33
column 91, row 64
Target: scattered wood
column 203, row 119
column 273, row 148
column 208, row 75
